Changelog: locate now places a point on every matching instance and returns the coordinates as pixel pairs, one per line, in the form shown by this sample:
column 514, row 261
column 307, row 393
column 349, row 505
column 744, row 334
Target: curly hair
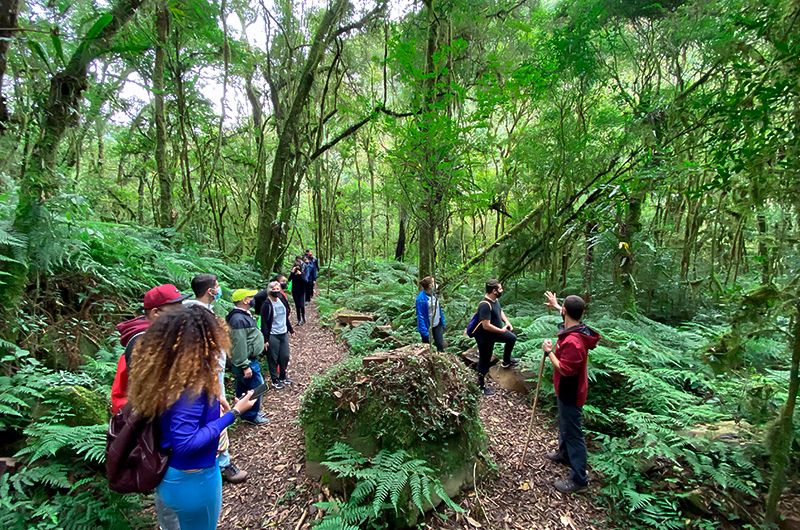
column 179, row 353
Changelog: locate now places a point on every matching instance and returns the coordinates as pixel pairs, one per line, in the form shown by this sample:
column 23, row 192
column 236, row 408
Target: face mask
column 498, row 294
column 218, row 294
column 252, row 302
column 284, row 286
column 274, row 294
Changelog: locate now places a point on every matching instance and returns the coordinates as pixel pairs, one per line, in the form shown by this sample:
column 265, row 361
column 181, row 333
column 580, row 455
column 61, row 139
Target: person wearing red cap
column 156, row 301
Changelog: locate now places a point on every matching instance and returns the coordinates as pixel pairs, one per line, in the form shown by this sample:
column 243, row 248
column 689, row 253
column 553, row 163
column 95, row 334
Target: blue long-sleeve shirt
column 190, row 429
column 424, row 315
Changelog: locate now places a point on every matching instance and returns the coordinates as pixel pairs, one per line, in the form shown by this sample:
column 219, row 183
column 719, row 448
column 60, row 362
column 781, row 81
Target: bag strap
column 484, row 301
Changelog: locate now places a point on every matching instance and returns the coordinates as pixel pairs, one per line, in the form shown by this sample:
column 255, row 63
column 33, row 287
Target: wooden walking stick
column 533, row 412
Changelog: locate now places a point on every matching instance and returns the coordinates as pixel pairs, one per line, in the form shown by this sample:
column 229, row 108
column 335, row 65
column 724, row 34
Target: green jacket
column 247, row 342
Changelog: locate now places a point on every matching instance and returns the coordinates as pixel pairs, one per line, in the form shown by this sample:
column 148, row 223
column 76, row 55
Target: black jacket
column 263, row 307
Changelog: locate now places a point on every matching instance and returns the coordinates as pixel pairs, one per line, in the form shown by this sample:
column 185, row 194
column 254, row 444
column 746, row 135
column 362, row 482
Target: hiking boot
column 487, row 391
column 258, row 420
column 555, row 456
column 567, row 485
column 277, row 385
column 512, row 362
column 287, row 382
column 233, row 474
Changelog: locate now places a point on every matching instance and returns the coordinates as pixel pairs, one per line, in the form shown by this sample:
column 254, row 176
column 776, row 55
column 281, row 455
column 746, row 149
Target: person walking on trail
column 247, row 344
column 571, row 383
column 430, row 317
column 157, row 301
column 493, row 327
column 312, row 271
column 206, row 291
column 298, row 278
column 276, row 327
column 175, row 382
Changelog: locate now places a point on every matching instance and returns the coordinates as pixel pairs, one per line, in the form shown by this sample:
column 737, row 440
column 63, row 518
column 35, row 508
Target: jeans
column 438, row 337
column 309, row 291
column 243, row 385
column 194, row 496
column 278, row 356
column 571, row 445
column 486, row 341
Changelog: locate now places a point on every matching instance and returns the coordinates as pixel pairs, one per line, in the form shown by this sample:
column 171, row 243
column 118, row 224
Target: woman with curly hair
column 174, row 380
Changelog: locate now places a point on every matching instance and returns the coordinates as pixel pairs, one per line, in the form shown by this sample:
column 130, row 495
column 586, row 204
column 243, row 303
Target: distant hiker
column 157, row 301
column 284, row 283
column 247, row 344
column 276, row 327
column 207, row 290
column 298, row 278
column 312, row 271
column 571, row 382
column 430, row 317
column 175, row 381
column 493, row 327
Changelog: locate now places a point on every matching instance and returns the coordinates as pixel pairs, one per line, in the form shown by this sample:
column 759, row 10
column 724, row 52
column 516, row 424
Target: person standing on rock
column 430, row 317
column 276, row 327
column 175, row 383
column 247, row 344
column 571, row 382
column 206, row 291
column 298, row 278
column 493, row 327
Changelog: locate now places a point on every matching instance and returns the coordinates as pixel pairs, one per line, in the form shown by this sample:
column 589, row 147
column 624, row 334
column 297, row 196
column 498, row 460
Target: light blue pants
column 194, row 496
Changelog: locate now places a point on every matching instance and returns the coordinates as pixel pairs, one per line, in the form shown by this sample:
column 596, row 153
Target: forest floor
column 278, row 494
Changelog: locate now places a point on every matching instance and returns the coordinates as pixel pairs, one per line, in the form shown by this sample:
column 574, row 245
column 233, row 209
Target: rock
column 410, row 398
column 381, row 332
column 727, row 431
column 513, row 379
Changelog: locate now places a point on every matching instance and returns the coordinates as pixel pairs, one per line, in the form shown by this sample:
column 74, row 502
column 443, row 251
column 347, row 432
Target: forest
column 642, row 155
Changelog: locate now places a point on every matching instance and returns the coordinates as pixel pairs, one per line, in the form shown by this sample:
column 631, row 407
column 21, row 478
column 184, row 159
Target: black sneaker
column 487, row 391
column 567, row 485
column 513, row 362
column 287, row 382
column 555, row 456
column 277, row 385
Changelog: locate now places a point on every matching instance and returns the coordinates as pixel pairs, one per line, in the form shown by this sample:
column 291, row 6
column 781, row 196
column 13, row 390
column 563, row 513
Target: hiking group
column 569, row 356
column 171, row 377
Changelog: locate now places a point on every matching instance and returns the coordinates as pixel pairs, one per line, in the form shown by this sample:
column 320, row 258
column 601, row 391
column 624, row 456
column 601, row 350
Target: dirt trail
column 278, row 494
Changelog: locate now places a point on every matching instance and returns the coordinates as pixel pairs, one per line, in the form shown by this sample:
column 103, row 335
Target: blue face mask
column 252, row 302
column 218, row 294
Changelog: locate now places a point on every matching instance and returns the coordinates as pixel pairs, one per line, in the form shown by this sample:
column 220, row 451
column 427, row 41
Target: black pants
column 571, row 445
column 278, row 356
column 486, row 341
column 299, row 297
column 309, row 291
column 438, row 337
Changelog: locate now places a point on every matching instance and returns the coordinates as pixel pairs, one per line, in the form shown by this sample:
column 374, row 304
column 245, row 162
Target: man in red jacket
column 571, row 382
column 156, row 301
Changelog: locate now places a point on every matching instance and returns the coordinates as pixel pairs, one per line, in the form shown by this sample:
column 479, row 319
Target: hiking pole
column 533, row 412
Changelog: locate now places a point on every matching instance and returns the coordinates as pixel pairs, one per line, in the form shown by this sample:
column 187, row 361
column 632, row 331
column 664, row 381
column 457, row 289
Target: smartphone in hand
column 260, row 390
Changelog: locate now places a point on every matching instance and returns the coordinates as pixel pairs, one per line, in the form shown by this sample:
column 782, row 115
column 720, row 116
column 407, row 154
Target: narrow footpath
column 278, row 494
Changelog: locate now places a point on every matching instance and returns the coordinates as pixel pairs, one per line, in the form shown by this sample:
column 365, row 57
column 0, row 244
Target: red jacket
column 119, row 388
column 571, row 382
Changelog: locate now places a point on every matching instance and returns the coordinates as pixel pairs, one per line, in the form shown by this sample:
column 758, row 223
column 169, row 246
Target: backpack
column 135, row 463
column 474, row 323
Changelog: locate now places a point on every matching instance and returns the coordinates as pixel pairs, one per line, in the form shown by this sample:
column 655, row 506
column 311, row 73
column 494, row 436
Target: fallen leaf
column 524, row 486
column 352, row 407
column 473, row 522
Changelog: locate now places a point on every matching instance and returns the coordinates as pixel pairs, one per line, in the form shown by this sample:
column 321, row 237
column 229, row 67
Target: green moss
column 426, row 404
column 79, row 405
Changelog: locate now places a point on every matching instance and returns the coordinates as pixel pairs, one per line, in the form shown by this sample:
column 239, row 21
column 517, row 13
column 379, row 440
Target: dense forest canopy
column 643, row 155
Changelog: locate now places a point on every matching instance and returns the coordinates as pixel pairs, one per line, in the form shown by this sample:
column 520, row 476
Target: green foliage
column 389, row 481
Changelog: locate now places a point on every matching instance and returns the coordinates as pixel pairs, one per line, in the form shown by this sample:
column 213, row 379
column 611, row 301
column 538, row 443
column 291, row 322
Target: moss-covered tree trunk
column 165, row 217
column 8, row 22
column 40, row 180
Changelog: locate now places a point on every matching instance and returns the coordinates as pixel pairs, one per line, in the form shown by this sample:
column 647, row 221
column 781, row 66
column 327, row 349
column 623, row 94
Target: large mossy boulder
column 78, row 404
column 423, row 402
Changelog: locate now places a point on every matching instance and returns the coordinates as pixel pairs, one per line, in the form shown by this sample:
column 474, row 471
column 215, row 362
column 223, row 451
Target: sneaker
column 277, row 385
column 287, row 382
column 487, row 391
column 233, row 474
column 567, row 485
column 555, row 456
column 258, row 420
column 511, row 363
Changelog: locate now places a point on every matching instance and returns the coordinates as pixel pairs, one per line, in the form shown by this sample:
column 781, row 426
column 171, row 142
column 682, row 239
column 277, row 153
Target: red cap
column 163, row 295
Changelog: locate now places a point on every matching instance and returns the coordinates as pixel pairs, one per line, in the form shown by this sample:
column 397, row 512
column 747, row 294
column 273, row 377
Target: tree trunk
column 165, row 215
column 400, row 248
column 8, row 22
column 628, row 230
column 40, row 180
